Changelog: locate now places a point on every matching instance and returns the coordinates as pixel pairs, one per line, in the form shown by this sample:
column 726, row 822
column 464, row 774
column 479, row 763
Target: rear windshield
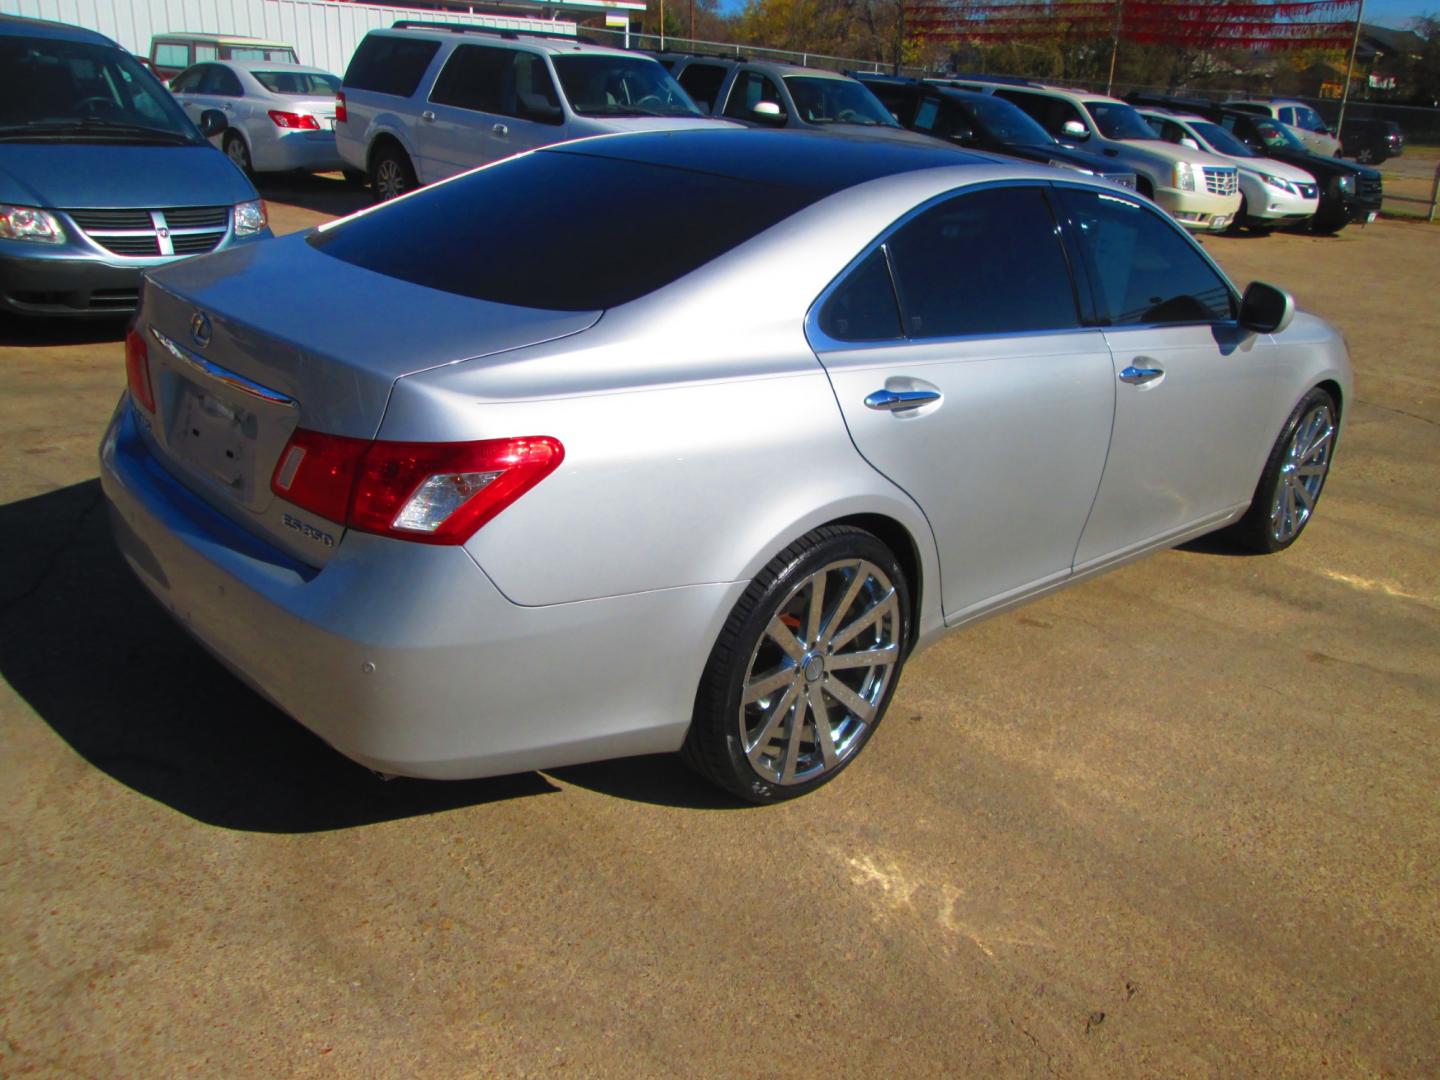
column 299, row 83
column 509, row 233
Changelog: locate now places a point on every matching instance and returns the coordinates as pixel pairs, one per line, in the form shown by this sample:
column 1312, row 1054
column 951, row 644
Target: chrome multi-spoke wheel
column 391, row 175
column 1302, row 473
column 1294, row 476
column 819, row 672
column 804, row 668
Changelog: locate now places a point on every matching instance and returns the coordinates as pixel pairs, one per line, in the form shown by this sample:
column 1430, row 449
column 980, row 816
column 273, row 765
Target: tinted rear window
column 390, row 65
column 508, row 233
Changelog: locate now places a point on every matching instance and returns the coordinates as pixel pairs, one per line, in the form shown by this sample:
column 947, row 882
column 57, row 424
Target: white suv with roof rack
column 423, row 101
column 1201, row 191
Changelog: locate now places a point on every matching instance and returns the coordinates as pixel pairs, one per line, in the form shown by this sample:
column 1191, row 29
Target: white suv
column 1201, row 191
column 1303, row 121
column 424, row 101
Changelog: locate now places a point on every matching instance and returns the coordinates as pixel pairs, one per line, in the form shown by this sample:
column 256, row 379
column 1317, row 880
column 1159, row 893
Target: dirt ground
column 1180, row 820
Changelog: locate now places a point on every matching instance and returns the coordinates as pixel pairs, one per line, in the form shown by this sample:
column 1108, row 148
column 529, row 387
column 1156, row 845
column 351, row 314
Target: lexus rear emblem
column 200, row 329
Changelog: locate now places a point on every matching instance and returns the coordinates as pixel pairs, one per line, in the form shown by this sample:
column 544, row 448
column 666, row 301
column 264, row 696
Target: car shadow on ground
column 324, row 193
column 661, row 779
column 30, row 333
column 100, row 662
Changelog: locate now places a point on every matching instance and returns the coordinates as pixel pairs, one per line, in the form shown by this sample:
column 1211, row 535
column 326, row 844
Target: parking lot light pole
column 1350, row 67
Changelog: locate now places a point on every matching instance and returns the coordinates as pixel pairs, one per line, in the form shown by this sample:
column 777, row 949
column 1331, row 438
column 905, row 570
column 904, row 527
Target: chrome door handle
column 891, row 401
column 1138, row 376
column 501, row 130
column 427, row 115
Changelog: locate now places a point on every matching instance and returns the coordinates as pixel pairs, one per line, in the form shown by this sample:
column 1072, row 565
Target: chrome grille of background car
column 182, row 230
column 1372, row 187
column 1221, row 181
column 1308, row 191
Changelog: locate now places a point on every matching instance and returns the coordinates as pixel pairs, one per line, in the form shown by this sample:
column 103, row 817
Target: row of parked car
column 424, row 101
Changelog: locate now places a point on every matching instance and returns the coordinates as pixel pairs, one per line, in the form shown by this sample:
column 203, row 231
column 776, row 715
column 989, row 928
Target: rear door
column 1196, row 395
column 971, row 384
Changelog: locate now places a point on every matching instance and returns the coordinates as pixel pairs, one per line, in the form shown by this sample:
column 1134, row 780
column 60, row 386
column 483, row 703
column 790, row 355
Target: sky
column 1398, row 13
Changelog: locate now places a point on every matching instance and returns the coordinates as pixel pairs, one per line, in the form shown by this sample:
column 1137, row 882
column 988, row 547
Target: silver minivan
column 421, row 102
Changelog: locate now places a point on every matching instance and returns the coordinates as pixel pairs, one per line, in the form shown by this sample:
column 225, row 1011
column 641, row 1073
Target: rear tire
column 804, row 668
column 238, row 153
column 391, row 174
column 1294, row 477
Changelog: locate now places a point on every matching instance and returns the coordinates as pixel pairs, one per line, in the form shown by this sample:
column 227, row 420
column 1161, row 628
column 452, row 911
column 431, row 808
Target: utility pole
column 1350, row 68
column 1115, row 45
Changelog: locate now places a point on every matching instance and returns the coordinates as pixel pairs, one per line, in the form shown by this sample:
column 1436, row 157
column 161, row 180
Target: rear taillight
column 436, row 493
column 299, row 121
column 340, row 114
column 137, row 370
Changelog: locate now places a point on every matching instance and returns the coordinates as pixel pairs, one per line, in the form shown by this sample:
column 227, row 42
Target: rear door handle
column 501, row 130
column 891, row 401
column 1139, row 376
column 427, row 115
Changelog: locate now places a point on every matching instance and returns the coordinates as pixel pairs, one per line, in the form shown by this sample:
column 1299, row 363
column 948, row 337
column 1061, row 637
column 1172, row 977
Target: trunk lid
column 246, row 345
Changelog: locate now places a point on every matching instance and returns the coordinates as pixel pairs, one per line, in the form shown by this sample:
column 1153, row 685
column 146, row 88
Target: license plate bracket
column 217, row 438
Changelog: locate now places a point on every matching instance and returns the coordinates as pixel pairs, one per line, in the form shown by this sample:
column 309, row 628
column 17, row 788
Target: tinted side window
column 1143, row 269
column 702, row 82
column 863, row 307
column 988, row 262
column 1050, row 113
column 474, row 78
column 390, row 65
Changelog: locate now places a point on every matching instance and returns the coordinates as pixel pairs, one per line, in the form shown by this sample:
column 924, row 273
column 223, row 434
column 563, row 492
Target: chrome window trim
column 223, row 375
column 823, row 342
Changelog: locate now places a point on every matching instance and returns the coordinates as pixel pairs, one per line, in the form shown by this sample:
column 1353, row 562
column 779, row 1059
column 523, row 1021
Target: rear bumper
column 405, row 657
column 313, row 151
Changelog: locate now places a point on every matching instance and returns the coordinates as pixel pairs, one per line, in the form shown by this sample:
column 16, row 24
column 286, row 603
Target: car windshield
column 621, row 86
column 1118, row 121
column 1220, row 140
column 1277, row 136
column 51, row 88
column 1008, row 123
column 837, row 101
column 298, row 83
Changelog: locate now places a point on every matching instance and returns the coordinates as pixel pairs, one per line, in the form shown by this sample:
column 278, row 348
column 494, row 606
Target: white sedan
column 281, row 116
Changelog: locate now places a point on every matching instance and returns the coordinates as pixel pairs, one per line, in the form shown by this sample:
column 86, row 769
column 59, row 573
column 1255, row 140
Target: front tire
column 803, row 669
column 1294, row 476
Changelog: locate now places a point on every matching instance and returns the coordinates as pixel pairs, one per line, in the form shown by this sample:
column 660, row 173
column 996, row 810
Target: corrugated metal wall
column 324, row 32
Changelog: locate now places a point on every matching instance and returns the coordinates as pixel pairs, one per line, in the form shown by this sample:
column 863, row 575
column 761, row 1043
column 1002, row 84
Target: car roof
column 553, row 43
column 819, row 162
column 270, row 65
column 223, row 39
column 18, row 26
column 774, row 67
column 1171, row 114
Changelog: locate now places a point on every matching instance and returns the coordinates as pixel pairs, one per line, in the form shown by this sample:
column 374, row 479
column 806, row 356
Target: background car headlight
column 1184, row 176
column 1070, row 165
column 250, row 217
column 30, row 223
column 1280, row 183
column 1347, row 184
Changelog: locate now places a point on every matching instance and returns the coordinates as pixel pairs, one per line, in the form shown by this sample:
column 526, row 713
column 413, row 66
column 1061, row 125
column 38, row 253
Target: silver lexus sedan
column 687, row 441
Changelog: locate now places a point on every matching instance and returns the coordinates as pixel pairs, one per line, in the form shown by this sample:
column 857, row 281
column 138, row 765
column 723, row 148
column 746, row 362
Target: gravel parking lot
column 1179, row 820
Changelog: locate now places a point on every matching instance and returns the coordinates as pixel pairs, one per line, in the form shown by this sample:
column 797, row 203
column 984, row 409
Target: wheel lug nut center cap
column 812, row 668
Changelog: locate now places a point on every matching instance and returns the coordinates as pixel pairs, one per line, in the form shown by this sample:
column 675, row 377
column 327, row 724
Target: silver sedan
column 281, row 116
column 700, row 468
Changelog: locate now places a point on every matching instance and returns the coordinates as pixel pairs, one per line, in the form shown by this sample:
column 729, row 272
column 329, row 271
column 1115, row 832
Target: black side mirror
column 212, row 123
column 1266, row 309
column 961, row 134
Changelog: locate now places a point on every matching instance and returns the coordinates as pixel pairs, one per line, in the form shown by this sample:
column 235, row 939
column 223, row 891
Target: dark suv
column 983, row 122
column 1348, row 192
column 1371, row 141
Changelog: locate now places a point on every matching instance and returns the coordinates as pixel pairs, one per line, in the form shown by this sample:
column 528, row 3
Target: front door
column 1195, row 394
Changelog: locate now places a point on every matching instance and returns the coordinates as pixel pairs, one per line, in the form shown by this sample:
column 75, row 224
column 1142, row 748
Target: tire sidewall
column 1257, row 519
column 849, row 544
